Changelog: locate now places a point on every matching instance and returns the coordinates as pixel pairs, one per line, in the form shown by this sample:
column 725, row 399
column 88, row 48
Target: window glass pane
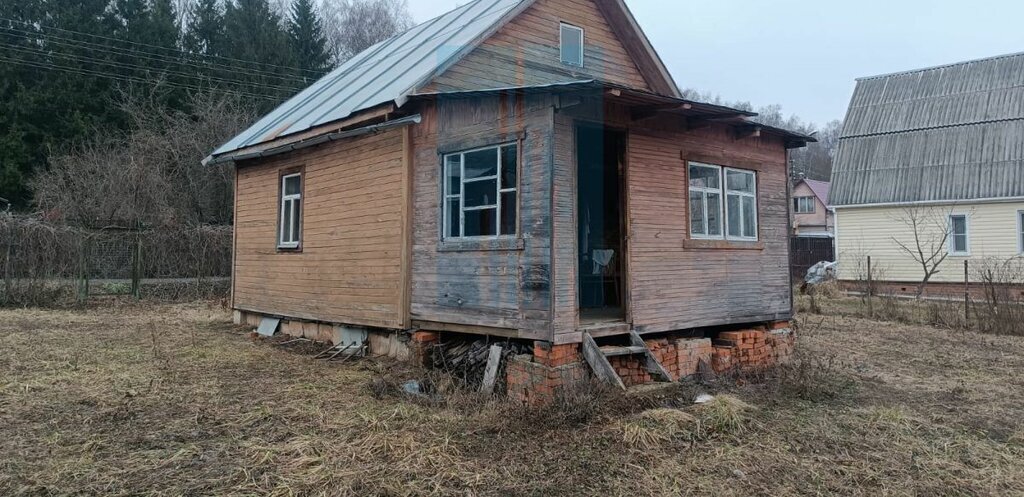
column 714, row 214
column 739, row 181
column 960, row 243
column 452, row 171
column 959, row 225
column 453, row 214
column 749, row 217
column 292, row 185
column 286, row 231
column 481, row 222
column 481, row 193
column 733, row 224
column 509, row 159
column 1021, row 224
column 296, row 217
column 572, row 45
column 508, row 213
column 696, row 213
column 482, row 163
column 704, row 177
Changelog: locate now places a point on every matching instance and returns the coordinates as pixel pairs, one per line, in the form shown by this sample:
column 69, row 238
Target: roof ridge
column 930, row 128
column 941, row 66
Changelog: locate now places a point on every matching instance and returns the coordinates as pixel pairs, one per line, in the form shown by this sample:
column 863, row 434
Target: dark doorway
column 600, row 156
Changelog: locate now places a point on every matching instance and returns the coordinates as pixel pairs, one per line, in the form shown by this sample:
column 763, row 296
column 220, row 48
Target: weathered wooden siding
column 526, row 52
column 674, row 284
column 506, row 285
column 350, row 267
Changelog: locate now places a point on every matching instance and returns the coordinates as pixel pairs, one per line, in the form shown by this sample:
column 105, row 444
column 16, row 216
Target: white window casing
column 959, row 235
column 1020, row 232
column 571, row 44
column 722, row 203
column 290, row 221
column 804, row 205
column 480, row 197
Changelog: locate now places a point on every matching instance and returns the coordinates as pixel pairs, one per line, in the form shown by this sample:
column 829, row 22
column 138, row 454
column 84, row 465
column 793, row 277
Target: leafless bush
column 1001, row 311
column 33, row 255
column 152, row 174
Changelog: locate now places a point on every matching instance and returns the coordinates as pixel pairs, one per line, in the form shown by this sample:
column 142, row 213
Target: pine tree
column 254, row 33
column 205, row 33
column 306, row 34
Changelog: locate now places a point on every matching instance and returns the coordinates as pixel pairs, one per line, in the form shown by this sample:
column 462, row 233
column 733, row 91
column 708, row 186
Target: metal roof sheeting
column 948, row 133
column 384, row 73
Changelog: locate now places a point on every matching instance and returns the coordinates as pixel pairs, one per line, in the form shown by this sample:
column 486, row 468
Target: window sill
column 495, row 245
column 289, row 250
column 722, row 245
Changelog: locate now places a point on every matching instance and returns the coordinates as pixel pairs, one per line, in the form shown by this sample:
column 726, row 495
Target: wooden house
column 932, row 159
column 522, row 169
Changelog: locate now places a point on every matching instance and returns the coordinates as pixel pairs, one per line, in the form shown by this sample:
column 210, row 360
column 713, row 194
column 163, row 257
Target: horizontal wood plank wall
column 672, row 287
column 509, row 288
column 526, row 52
column 678, row 288
column 349, row 269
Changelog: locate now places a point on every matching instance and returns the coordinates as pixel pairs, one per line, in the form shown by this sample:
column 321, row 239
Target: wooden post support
column 83, row 271
column 491, row 373
column 870, row 285
column 7, row 270
column 967, row 294
column 137, row 269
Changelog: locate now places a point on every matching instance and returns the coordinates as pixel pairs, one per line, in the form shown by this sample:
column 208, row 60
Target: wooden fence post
column 137, row 268
column 7, row 270
column 967, row 294
column 83, row 271
column 871, row 285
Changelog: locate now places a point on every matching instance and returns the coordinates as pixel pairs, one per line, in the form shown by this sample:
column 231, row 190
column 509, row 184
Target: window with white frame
column 723, row 203
column 804, row 205
column 959, row 238
column 571, row 42
column 480, row 190
column 290, row 224
column 1020, row 231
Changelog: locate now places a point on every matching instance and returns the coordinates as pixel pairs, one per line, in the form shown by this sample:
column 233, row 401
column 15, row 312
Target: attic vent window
column 571, row 41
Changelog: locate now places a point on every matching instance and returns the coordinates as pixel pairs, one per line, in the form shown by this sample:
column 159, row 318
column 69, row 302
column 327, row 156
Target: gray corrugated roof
column 384, row 73
column 948, row 133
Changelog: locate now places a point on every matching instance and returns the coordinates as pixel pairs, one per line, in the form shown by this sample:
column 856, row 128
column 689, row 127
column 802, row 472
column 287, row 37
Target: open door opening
column 600, row 155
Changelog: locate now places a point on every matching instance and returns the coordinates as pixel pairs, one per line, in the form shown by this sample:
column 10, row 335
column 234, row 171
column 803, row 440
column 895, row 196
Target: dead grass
column 173, row 400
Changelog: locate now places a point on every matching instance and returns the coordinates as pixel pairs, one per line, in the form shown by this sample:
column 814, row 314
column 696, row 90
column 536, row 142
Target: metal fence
column 46, row 263
column 805, row 252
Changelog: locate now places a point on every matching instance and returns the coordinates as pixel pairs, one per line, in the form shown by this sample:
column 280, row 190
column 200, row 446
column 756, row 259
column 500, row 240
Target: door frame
column 624, row 218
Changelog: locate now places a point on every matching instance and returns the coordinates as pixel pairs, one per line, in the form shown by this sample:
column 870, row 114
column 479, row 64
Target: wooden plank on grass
column 491, row 373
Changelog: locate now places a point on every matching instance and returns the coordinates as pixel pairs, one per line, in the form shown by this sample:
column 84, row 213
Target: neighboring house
column 811, row 214
column 943, row 146
column 517, row 169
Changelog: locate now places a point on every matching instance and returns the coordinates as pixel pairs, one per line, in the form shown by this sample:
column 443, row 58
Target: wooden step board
column 597, row 358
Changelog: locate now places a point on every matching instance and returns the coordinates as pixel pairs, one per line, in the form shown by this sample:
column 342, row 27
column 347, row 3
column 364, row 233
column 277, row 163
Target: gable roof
column 819, row 188
column 395, row 69
column 947, row 133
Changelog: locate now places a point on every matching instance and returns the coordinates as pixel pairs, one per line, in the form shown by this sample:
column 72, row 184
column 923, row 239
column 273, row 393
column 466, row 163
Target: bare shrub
column 810, row 377
column 153, row 174
column 33, row 257
column 1001, row 311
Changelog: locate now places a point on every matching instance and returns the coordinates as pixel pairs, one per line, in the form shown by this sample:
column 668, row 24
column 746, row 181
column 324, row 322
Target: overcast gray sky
column 806, row 55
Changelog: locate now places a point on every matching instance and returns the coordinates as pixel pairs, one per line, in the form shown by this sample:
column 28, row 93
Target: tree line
column 67, row 67
column 811, row 162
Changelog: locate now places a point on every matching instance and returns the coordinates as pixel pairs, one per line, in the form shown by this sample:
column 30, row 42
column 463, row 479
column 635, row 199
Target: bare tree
column 930, row 229
column 151, row 174
column 355, row 25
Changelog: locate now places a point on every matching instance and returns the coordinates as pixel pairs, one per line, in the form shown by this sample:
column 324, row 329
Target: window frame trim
column 725, row 205
column 951, row 248
column 446, row 196
column 1020, row 232
column 561, row 44
column 283, row 176
column 811, row 198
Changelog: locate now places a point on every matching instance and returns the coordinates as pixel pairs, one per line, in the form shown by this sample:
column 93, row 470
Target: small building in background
column 812, row 216
column 930, row 167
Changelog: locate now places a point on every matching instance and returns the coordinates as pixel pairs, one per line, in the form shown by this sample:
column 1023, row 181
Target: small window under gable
column 1020, row 231
column 959, row 237
column 571, row 41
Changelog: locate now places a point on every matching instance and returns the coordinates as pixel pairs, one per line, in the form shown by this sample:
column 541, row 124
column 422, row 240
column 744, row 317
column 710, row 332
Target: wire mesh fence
column 52, row 264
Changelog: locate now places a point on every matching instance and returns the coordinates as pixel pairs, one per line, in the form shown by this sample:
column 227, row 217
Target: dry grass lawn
column 174, row 400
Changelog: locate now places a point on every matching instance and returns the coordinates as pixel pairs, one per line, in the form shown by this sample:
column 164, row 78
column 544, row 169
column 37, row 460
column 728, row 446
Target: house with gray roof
column 936, row 152
column 522, row 170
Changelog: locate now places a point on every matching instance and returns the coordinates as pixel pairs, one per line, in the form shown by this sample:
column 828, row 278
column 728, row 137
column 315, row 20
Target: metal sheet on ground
column 268, row 327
